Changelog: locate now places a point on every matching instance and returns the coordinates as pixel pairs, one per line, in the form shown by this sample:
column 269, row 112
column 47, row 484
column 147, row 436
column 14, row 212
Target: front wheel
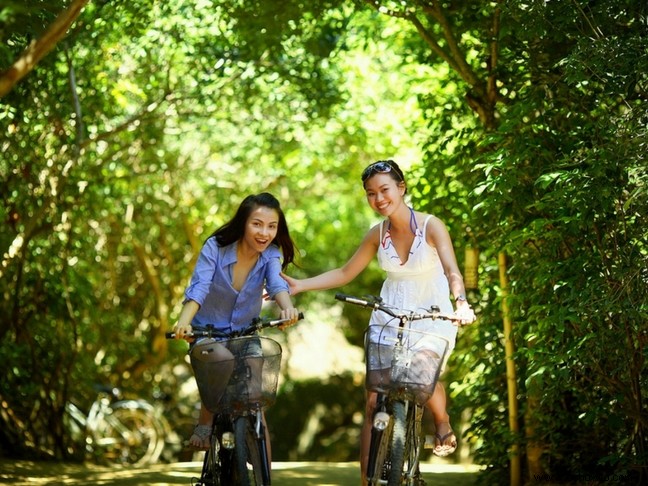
column 413, row 445
column 397, row 455
column 248, row 452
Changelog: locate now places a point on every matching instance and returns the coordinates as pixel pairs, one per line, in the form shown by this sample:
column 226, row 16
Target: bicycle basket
column 236, row 374
column 409, row 367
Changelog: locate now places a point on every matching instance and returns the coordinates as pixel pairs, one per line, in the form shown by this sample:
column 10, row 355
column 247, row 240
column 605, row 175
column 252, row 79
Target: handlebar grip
column 353, row 300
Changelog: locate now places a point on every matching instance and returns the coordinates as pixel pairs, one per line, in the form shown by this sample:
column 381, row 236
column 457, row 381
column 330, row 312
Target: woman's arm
column 288, row 311
column 439, row 237
column 183, row 326
column 342, row 275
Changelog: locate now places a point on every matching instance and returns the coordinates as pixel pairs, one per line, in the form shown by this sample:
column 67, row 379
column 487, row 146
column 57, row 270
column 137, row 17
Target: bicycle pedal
column 430, row 442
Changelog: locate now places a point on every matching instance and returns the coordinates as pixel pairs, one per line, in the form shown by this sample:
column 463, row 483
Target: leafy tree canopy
column 521, row 124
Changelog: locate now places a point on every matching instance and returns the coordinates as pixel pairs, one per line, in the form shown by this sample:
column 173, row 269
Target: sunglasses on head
column 380, row 167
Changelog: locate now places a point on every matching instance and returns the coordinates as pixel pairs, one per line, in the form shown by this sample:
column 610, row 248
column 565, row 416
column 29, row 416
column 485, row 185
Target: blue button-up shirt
column 211, row 286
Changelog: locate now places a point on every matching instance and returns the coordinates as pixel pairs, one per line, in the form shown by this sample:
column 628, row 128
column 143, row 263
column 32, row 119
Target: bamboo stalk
column 511, row 382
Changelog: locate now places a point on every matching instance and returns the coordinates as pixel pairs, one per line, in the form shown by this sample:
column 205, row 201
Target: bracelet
column 461, row 297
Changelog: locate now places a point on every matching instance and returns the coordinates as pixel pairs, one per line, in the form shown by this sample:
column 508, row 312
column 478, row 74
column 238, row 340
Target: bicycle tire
column 399, row 434
column 258, row 455
column 247, row 452
column 128, row 435
column 412, row 445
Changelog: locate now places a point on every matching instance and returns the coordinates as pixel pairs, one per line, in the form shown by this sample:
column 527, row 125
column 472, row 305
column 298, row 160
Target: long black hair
column 234, row 229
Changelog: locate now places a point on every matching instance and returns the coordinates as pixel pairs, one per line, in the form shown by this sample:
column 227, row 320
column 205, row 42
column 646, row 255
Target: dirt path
column 25, row 473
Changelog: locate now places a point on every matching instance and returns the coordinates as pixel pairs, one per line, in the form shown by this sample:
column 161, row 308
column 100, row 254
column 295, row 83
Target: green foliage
column 106, row 201
column 563, row 194
column 111, row 178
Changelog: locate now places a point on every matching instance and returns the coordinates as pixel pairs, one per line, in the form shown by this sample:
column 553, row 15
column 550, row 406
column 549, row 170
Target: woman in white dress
column 416, row 251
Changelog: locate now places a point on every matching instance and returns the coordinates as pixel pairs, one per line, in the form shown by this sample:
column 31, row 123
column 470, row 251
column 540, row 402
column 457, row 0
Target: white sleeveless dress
column 416, row 285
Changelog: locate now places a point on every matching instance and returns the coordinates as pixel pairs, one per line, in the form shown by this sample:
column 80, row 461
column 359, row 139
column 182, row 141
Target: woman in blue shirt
column 238, row 263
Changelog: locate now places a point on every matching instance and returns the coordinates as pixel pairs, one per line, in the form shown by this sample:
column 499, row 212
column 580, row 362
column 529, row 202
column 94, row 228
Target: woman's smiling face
column 261, row 228
column 384, row 194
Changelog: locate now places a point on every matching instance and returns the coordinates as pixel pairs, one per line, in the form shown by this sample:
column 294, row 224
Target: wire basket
column 236, row 375
column 408, row 367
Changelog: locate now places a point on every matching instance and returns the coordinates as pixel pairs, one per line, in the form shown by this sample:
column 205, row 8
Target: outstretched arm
column 342, row 275
column 438, row 235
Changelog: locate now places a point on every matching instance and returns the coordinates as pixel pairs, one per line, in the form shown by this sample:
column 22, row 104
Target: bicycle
column 117, row 431
column 237, row 387
column 403, row 367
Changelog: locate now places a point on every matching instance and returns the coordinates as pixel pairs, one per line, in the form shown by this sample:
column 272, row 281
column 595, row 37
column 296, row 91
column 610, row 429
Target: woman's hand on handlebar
column 182, row 331
column 464, row 313
column 292, row 316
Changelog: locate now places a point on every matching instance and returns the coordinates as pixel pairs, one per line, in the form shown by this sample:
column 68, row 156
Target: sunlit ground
column 284, row 474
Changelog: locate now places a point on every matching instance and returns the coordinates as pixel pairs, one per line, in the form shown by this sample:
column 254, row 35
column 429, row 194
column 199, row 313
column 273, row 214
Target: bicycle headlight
column 381, row 421
column 227, row 440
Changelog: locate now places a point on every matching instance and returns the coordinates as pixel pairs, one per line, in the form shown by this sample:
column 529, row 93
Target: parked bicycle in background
column 118, row 431
column 402, row 366
column 237, row 386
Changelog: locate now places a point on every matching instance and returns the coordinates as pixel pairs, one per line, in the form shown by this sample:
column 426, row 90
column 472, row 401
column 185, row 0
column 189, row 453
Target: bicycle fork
column 380, row 422
column 260, row 437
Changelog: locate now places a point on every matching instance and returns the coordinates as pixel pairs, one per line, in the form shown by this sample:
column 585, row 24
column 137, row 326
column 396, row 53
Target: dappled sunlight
column 26, row 473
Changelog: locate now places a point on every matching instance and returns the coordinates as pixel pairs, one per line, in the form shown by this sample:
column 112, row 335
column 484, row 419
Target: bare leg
column 446, row 442
column 365, row 436
column 216, row 382
column 200, row 437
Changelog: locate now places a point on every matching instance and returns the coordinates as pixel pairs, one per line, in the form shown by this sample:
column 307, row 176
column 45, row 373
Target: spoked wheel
column 129, row 435
column 218, row 464
column 413, row 445
column 211, row 472
column 248, row 456
column 397, row 454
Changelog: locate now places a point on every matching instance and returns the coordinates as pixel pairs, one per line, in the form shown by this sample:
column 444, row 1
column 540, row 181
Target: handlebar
column 256, row 325
column 376, row 303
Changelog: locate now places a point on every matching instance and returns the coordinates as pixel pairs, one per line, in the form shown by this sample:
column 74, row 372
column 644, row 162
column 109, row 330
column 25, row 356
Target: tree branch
column 458, row 63
column 40, row 47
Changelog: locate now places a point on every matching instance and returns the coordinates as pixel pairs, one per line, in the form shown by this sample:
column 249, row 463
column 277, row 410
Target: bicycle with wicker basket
column 237, row 374
column 402, row 366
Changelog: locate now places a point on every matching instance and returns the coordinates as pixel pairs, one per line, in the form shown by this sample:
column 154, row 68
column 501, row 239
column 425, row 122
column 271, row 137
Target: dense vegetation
column 523, row 124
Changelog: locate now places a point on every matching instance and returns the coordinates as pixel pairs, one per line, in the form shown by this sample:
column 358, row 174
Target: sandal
column 442, row 449
column 200, row 439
